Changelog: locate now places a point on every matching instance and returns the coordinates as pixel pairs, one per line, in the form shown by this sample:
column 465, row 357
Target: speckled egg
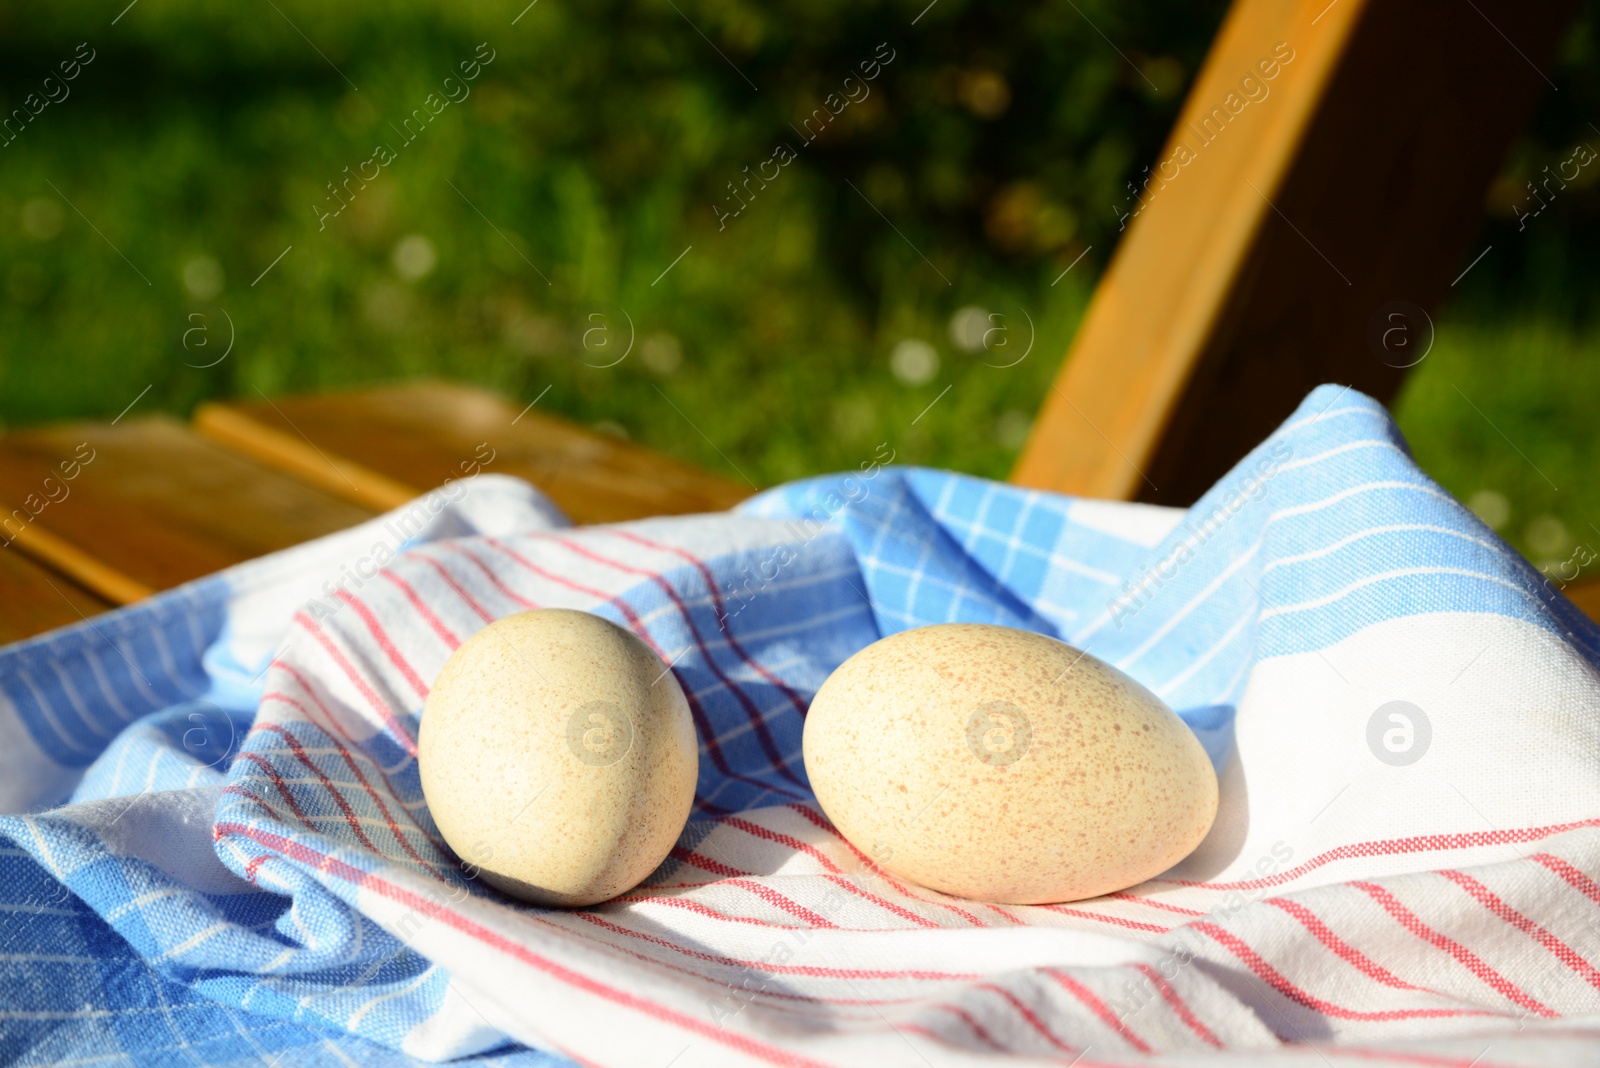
column 558, row 757
column 1005, row 766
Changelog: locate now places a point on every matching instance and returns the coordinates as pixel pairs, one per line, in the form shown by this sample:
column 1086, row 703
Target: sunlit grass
column 1508, row 409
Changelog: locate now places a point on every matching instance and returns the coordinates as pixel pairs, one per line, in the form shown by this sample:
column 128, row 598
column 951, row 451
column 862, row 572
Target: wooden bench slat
column 155, row 504
column 36, row 601
column 384, row 446
column 65, row 558
column 1263, row 256
column 1586, row 595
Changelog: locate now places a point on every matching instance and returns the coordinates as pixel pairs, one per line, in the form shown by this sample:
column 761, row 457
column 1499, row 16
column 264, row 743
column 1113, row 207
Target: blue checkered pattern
column 174, row 895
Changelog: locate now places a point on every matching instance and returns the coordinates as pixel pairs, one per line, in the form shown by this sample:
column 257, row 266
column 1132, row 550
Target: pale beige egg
column 1006, row 766
column 558, row 757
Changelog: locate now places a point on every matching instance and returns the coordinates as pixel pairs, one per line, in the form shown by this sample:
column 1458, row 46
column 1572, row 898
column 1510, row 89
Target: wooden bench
column 1255, row 271
column 157, row 503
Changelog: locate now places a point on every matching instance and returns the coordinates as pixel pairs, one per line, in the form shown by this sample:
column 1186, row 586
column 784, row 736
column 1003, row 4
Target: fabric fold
column 217, row 813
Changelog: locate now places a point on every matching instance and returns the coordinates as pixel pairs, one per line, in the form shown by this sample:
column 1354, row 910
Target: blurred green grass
column 586, row 159
column 521, row 240
column 1504, row 415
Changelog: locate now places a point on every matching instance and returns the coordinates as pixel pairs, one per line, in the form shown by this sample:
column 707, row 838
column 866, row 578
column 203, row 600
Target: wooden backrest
column 1328, row 167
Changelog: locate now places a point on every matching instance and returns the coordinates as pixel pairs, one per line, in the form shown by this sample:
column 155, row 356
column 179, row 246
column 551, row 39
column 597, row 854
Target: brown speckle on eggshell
column 1004, row 765
column 558, row 757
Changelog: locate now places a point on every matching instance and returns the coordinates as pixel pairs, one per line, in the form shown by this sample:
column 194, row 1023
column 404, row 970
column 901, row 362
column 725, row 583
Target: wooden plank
column 1275, row 237
column 1586, row 595
column 287, row 451
column 148, row 504
column 384, row 446
column 65, row 558
column 36, row 601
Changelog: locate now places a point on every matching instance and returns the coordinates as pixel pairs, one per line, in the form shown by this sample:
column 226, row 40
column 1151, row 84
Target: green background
column 516, row 237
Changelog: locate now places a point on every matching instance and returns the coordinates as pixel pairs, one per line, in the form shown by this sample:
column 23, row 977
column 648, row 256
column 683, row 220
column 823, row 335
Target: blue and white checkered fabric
column 218, row 851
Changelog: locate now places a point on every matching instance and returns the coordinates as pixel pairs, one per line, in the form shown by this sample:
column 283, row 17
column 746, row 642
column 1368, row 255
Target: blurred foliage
column 1503, row 414
column 588, row 156
column 1546, row 266
column 520, row 240
column 1505, row 411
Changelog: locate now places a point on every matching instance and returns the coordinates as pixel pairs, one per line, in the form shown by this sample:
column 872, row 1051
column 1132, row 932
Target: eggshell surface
column 558, row 757
column 1004, row 765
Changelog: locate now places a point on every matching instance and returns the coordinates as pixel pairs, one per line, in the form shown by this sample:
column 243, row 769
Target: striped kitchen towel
column 217, row 850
